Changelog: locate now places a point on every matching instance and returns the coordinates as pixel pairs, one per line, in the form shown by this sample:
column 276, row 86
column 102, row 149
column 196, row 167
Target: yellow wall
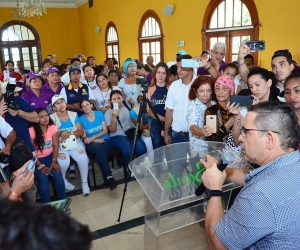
column 58, row 31
column 278, row 29
column 66, row 32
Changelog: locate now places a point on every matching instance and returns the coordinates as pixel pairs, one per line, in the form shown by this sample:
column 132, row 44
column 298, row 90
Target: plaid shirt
column 265, row 214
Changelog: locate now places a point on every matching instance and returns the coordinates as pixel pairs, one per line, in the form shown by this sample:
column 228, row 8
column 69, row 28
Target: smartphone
column 29, row 166
column 243, row 101
column 256, row 45
column 190, row 63
column 211, row 120
column 116, row 106
column 6, row 74
column 78, row 55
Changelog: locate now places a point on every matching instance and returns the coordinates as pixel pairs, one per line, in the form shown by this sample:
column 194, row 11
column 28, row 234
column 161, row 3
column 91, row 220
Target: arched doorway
column 231, row 22
column 151, row 37
column 20, row 42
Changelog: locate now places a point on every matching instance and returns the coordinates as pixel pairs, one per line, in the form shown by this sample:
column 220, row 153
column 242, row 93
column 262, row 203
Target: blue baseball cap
column 73, row 69
column 181, row 52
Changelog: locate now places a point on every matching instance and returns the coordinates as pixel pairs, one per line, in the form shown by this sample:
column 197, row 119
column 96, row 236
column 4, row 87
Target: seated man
column 76, row 91
column 9, row 65
column 66, row 77
column 265, row 214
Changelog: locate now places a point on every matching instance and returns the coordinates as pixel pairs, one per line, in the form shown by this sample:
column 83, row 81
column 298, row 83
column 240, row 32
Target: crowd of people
column 98, row 107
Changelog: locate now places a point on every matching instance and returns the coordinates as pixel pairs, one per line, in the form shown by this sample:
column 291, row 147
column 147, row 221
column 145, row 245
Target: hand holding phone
column 29, row 166
column 190, row 63
column 211, row 120
column 115, row 106
column 256, row 45
column 243, row 101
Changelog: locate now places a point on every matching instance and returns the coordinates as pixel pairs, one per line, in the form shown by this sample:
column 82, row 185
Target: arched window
column 20, row 42
column 150, row 37
column 112, row 42
column 231, row 22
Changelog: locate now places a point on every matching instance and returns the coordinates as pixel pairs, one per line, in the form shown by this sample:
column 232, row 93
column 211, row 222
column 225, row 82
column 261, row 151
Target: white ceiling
column 48, row 3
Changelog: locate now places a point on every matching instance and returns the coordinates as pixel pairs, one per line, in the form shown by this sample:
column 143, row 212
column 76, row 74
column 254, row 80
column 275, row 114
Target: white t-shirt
column 5, row 130
column 103, row 98
column 177, row 99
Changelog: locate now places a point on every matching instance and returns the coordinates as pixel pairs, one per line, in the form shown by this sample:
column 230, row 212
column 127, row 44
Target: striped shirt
column 265, row 214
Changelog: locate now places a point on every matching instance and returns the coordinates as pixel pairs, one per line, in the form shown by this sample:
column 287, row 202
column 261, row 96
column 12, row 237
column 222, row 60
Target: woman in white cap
column 69, row 126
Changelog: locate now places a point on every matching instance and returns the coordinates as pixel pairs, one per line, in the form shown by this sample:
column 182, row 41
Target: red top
column 13, row 75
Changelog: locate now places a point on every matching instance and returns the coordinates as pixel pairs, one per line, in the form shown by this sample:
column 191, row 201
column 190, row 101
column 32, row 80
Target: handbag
column 20, row 153
column 69, row 143
column 130, row 132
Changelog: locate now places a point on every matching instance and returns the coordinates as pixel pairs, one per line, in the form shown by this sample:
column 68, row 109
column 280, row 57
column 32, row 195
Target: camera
column 4, row 158
column 144, row 84
column 9, row 96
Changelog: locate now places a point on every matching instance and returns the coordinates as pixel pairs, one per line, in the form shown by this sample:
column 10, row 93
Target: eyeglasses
column 131, row 67
column 246, row 130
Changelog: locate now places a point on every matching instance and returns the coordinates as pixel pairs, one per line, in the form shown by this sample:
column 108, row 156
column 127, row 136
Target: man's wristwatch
column 210, row 193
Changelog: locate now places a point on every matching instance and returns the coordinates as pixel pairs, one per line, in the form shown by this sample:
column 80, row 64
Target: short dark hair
column 88, row 59
column 173, row 70
column 280, row 117
column 9, row 61
column 249, row 56
column 114, row 71
column 34, row 226
column 83, row 68
column 285, row 54
column 74, row 60
column 46, row 61
column 50, row 55
column 231, row 65
column 180, row 57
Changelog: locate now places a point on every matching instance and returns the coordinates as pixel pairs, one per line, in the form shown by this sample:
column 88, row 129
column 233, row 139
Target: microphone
column 227, row 158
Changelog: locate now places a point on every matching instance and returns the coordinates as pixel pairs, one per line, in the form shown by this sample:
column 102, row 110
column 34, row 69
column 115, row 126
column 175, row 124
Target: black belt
column 183, row 133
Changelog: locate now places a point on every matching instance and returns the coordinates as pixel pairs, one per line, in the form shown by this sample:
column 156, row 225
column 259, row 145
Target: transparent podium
column 169, row 177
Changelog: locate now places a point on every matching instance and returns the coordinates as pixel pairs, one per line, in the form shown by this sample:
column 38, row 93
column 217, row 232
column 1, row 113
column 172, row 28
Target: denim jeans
column 43, row 181
column 101, row 151
column 177, row 138
column 124, row 144
column 157, row 139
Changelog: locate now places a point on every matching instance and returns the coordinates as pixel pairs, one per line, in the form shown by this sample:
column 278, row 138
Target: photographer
column 18, row 112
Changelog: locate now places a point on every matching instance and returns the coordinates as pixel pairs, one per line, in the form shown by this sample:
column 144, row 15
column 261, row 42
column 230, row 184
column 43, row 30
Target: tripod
column 142, row 109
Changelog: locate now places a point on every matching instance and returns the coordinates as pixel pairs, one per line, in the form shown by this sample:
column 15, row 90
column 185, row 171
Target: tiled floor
column 100, row 211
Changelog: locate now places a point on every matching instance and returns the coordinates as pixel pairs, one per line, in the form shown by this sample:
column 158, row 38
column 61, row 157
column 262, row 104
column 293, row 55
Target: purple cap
column 28, row 74
column 35, row 75
column 52, row 70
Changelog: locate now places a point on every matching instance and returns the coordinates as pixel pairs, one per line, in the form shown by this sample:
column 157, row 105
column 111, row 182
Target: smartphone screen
column 211, row 120
column 116, row 106
column 30, row 166
column 6, row 74
column 256, row 45
column 243, row 101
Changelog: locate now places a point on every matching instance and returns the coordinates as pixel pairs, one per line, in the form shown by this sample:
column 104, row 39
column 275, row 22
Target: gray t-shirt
column 124, row 118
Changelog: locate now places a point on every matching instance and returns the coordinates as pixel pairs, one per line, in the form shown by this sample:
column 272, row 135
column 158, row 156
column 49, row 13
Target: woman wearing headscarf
column 128, row 84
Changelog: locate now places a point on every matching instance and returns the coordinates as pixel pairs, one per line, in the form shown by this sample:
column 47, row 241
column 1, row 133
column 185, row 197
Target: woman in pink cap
column 224, row 88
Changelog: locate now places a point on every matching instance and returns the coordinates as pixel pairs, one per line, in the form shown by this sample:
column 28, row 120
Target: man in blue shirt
column 265, row 214
column 18, row 119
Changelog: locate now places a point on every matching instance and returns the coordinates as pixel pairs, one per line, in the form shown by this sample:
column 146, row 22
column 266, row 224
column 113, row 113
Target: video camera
column 9, row 96
column 144, row 84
